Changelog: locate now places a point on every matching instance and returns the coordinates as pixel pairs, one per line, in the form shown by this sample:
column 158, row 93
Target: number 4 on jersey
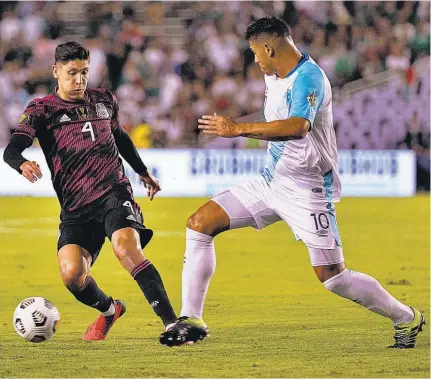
column 88, row 128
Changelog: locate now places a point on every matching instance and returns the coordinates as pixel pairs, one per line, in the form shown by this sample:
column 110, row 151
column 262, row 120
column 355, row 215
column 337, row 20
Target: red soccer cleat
column 99, row 329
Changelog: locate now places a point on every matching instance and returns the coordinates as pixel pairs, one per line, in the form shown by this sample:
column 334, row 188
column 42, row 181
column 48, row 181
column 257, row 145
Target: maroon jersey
column 76, row 138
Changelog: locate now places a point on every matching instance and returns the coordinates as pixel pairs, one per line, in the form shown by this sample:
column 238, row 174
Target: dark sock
column 91, row 295
column 150, row 282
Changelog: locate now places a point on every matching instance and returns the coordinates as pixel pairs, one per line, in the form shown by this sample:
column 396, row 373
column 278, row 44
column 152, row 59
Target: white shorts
column 260, row 205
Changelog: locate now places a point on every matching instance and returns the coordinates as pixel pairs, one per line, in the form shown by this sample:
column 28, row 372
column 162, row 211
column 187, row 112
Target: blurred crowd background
column 171, row 62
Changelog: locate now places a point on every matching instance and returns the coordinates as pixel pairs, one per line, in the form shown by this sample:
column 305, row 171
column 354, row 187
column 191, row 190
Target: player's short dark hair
column 272, row 26
column 71, row 51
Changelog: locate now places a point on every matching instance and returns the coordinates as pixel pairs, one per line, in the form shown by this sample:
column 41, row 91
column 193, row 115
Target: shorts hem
column 259, row 224
column 225, row 210
column 327, row 263
column 65, row 243
column 145, row 235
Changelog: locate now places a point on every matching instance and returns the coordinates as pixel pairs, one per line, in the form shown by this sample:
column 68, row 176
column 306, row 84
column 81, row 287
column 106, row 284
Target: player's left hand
column 151, row 184
column 219, row 126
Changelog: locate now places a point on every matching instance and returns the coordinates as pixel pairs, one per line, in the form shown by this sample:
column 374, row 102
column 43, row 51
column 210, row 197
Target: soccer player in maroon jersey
column 79, row 132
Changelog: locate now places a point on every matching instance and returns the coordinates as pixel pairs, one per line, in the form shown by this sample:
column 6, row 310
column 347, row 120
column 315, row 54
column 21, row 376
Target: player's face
column 72, row 78
column 262, row 55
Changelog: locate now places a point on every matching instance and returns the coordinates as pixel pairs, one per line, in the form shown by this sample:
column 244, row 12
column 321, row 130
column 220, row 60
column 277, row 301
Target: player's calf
column 127, row 248
column 199, row 258
column 74, row 263
column 367, row 292
column 91, row 295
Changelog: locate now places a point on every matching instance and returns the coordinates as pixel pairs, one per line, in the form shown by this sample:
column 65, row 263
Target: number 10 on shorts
column 320, row 220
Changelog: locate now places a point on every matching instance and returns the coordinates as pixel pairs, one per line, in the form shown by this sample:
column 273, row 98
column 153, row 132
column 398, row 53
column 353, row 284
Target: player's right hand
column 151, row 184
column 31, row 171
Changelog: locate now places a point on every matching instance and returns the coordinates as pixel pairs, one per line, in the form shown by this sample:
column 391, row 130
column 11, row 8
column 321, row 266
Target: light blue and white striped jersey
column 306, row 168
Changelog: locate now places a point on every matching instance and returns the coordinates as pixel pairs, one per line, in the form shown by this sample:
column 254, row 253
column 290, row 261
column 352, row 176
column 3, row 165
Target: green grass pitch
column 268, row 314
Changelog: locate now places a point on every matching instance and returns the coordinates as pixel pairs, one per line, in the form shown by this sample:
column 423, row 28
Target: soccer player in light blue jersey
column 300, row 185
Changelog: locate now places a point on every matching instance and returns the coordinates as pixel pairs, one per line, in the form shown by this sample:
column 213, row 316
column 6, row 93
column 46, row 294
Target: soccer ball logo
column 36, row 319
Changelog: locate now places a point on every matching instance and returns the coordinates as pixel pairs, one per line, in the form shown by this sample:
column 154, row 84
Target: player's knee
column 324, row 273
column 73, row 276
column 199, row 223
column 125, row 247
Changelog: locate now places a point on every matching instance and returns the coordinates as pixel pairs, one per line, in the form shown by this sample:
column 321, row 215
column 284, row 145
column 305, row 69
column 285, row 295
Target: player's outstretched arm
column 13, row 157
column 280, row 130
column 129, row 152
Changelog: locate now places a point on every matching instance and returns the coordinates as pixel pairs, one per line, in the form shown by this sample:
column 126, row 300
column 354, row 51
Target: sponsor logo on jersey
column 312, row 99
column 101, row 110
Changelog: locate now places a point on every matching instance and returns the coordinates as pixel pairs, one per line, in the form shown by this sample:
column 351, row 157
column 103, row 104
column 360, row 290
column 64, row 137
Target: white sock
column 367, row 291
column 110, row 311
column 198, row 268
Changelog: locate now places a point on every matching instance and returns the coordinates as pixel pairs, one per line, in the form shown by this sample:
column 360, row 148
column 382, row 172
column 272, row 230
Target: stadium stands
column 171, row 62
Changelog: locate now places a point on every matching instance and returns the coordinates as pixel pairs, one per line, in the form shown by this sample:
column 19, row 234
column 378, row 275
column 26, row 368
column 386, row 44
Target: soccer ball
column 36, row 319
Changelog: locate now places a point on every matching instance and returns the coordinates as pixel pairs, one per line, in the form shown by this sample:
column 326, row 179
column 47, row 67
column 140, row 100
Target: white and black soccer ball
column 36, row 319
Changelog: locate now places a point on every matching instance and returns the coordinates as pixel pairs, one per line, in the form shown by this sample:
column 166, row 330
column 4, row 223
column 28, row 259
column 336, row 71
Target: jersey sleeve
column 115, row 119
column 28, row 120
column 307, row 94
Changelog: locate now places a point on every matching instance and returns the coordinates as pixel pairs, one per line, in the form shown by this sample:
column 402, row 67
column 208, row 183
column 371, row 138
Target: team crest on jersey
column 83, row 112
column 288, row 96
column 101, row 110
column 23, row 118
column 312, row 99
